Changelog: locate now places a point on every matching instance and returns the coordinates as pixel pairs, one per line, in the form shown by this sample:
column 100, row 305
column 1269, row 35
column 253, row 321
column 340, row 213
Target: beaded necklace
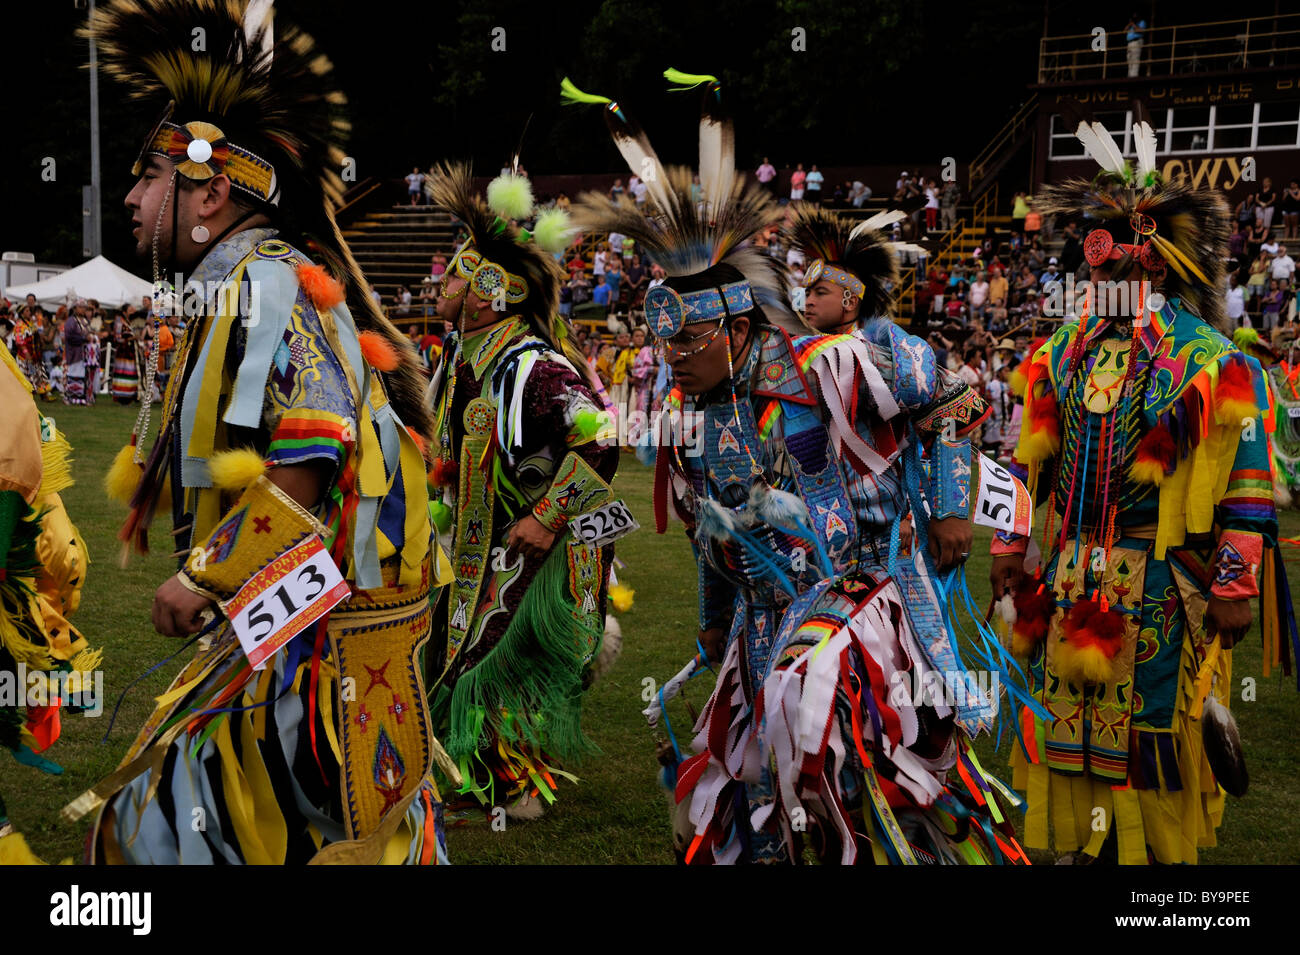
column 1107, row 444
column 161, row 290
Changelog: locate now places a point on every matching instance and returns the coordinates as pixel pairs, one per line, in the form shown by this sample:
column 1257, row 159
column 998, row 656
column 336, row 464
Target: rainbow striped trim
column 308, row 435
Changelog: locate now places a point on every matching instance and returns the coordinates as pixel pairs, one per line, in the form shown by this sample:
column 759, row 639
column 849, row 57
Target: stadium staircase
column 395, row 245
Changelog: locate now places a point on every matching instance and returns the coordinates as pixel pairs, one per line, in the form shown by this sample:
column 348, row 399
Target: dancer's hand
column 1006, row 573
column 905, row 535
column 530, row 538
column 177, row 610
column 1230, row 619
column 714, row 642
column 950, row 541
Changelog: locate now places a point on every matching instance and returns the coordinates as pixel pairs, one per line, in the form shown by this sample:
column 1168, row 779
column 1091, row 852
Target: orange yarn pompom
column 444, row 474
column 419, row 441
column 1234, row 395
column 1093, row 638
column 323, row 289
column 1041, row 435
column 1155, row 456
column 378, row 351
column 1035, row 604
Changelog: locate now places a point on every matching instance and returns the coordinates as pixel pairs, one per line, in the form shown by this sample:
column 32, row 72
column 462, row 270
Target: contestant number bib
column 603, row 525
column 285, row 598
column 1003, row 502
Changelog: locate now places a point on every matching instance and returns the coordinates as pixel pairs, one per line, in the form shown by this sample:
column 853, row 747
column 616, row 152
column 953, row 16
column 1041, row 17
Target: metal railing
column 951, row 245
column 1226, row 45
column 1009, row 133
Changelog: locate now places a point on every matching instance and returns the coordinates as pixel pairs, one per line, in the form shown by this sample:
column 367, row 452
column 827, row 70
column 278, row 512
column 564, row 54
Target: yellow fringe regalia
column 326, row 754
column 1147, row 431
column 45, row 663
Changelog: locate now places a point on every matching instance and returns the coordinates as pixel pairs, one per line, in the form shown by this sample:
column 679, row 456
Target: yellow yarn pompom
column 123, row 476
column 620, row 595
column 1082, row 665
column 234, row 470
column 1147, row 472
column 14, row 851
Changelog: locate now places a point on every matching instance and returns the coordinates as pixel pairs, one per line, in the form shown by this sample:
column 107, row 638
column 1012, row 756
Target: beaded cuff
column 262, row 525
column 950, row 478
column 577, row 488
column 1236, row 563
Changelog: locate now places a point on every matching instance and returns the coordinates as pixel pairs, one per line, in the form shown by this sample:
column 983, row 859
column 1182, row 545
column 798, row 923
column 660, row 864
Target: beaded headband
column 836, row 276
column 486, row 278
column 200, row 151
column 669, row 311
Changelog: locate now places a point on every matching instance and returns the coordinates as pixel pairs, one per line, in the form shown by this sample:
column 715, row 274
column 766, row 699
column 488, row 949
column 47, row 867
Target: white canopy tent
column 98, row 278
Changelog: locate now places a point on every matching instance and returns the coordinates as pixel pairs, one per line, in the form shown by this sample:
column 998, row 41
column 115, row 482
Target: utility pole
column 94, row 227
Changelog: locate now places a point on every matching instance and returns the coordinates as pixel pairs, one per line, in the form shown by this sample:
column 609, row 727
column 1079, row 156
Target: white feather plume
column 1145, row 139
column 643, row 161
column 1101, row 146
column 717, row 160
column 880, row 220
column 255, row 14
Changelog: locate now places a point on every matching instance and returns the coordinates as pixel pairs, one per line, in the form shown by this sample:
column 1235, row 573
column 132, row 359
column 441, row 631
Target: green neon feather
column 687, row 81
column 572, row 96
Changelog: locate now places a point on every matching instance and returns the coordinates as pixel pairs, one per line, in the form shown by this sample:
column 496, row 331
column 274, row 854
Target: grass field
column 617, row 814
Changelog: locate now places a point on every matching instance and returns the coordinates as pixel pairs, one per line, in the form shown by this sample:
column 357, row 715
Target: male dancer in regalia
column 289, row 446
column 522, row 448
column 1145, row 430
column 817, row 729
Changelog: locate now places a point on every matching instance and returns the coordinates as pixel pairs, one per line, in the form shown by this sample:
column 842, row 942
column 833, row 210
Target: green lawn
column 618, row 813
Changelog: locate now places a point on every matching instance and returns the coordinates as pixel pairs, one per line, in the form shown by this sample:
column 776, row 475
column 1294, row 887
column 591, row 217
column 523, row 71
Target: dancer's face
column 827, row 308
column 144, row 201
column 699, row 362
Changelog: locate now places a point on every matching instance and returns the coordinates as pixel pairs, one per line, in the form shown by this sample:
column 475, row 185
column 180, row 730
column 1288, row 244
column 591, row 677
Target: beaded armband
column 1235, row 564
column 262, row 525
column 577, row 488
column 950, row 478
column 954, row 400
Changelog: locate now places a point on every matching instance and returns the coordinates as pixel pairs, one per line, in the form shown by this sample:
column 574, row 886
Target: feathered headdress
column 688, row 232
column 858, row 257
column 259, row 106
column 501, row 258
column 1175, row 233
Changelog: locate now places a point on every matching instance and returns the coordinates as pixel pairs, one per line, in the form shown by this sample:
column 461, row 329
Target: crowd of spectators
column 1261, row 289
column 81, row 349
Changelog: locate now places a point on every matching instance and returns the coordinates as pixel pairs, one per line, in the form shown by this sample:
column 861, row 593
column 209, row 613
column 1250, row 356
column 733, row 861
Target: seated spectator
column 1051, row 275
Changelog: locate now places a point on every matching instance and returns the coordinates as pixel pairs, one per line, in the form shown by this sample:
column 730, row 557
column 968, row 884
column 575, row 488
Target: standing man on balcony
column 1133, row 34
